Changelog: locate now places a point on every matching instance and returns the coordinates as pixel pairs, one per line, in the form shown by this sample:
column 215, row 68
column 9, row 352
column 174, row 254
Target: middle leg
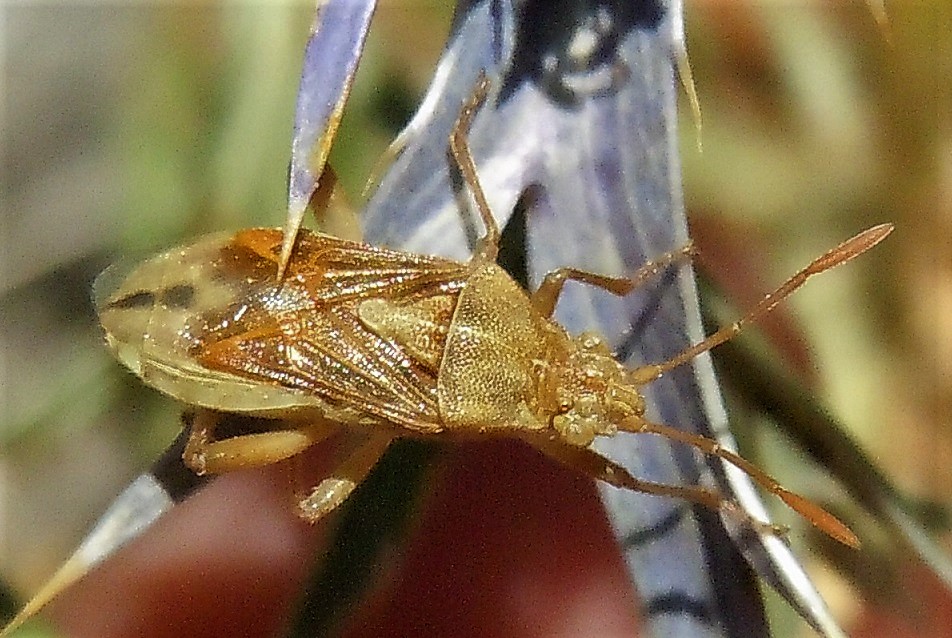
column 363, row 453
column 547, row 294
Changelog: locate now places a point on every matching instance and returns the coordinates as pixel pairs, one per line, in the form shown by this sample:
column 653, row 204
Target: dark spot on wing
column 139, row 299
column 178, row 296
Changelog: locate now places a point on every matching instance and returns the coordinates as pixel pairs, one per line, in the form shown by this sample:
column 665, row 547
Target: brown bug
column 389, row 344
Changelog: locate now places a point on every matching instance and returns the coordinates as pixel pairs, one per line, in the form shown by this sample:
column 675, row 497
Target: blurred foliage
column 129, row 129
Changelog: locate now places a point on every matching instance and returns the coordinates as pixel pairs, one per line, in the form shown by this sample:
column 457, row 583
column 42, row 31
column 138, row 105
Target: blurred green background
column 130, row 129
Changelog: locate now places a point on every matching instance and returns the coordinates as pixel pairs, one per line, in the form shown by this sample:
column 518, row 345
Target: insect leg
column 809, row 510
column 488, row 246
column 547, row 294
column 598, row 467
column 334, row 490
column 205, row 455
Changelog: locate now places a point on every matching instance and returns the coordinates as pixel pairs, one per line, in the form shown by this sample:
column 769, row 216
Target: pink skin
column 509, row 544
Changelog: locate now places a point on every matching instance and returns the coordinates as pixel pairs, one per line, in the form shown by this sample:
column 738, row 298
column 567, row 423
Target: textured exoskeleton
column 390, row 344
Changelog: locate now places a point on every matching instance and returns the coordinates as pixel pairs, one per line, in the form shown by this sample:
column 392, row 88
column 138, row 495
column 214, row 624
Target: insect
column 389, row 344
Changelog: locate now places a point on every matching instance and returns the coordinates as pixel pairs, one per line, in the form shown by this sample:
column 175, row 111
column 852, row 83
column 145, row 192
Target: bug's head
column 592, row 393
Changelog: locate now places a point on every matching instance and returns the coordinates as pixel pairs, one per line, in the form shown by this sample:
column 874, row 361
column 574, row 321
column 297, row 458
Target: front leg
column 206, row 455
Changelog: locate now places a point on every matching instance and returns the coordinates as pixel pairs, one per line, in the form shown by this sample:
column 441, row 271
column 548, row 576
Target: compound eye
column 574, row 430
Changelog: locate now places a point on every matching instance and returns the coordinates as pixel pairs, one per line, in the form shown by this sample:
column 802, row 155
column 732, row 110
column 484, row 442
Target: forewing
column 304, row 333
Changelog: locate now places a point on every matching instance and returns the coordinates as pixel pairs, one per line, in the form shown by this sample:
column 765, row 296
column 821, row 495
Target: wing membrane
column 304, row 333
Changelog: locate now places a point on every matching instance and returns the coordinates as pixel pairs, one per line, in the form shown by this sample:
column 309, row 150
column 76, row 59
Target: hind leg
column 206, row 455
